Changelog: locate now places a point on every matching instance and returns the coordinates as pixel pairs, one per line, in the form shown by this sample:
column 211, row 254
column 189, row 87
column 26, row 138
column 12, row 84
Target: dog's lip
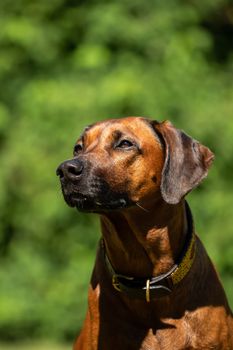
column 74, row 198
column 86, row 203
column 90, row 204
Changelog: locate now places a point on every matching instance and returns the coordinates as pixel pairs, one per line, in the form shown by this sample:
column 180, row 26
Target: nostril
column 75, row 169
column 70, row 169
column 59, row 172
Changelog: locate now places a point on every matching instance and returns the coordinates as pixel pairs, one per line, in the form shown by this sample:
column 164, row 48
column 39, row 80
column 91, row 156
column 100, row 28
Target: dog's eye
column 125, row 144
column 78, row 148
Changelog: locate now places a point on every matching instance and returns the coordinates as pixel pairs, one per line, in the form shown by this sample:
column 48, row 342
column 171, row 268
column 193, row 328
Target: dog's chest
column 181, row 334
column 174, row 337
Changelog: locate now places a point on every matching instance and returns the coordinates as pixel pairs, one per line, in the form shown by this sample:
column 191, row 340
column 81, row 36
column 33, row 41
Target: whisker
column 138, row 205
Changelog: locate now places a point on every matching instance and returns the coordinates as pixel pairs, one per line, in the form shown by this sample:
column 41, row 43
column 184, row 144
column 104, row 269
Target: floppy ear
column 186, row 162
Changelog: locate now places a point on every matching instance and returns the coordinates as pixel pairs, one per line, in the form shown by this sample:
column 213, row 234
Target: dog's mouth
column 78, row 200
column 93, row 203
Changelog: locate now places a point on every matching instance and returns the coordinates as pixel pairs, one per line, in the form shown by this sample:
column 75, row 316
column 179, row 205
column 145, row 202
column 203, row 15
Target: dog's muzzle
column 87, row 190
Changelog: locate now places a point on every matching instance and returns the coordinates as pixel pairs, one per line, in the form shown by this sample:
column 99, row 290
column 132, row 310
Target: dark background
column 63, row 65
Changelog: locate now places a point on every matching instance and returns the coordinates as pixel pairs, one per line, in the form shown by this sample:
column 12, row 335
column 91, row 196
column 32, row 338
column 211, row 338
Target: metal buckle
column 148, row 291
column 116, row 283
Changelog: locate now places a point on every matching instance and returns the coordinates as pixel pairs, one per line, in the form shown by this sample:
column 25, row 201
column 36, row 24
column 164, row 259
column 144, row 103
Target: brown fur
column 145, row 237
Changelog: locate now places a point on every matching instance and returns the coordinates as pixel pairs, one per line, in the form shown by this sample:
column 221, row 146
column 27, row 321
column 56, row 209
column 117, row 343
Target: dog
column 153, row 285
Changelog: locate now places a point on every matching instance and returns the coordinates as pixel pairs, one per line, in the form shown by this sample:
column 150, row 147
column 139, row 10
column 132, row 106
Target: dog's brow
column 157, row 135
column 117, row 134
column 87, row 128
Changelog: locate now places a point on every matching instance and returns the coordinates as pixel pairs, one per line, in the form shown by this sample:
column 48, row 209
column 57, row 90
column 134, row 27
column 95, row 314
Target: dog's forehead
column 138, row 127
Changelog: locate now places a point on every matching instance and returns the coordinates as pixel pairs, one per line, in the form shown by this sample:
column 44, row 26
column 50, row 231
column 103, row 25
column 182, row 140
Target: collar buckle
column 148, row 291
column 116, row 283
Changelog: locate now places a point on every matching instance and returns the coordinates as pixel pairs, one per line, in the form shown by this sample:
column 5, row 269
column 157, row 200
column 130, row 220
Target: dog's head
column 126, row 162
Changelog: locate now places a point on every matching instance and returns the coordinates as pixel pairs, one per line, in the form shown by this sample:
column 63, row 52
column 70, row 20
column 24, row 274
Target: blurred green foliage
column 65, row 64
column 34, row 346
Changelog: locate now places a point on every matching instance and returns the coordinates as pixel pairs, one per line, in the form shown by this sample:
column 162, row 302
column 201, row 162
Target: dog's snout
column 70, row 169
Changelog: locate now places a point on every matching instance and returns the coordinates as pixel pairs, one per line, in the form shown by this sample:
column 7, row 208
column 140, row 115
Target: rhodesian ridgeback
column 153, row 285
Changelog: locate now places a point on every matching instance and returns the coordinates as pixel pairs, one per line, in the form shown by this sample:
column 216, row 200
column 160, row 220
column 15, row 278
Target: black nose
column 70, row 169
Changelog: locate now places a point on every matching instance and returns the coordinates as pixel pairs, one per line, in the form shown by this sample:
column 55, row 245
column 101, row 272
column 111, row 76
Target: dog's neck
column 144, row 243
